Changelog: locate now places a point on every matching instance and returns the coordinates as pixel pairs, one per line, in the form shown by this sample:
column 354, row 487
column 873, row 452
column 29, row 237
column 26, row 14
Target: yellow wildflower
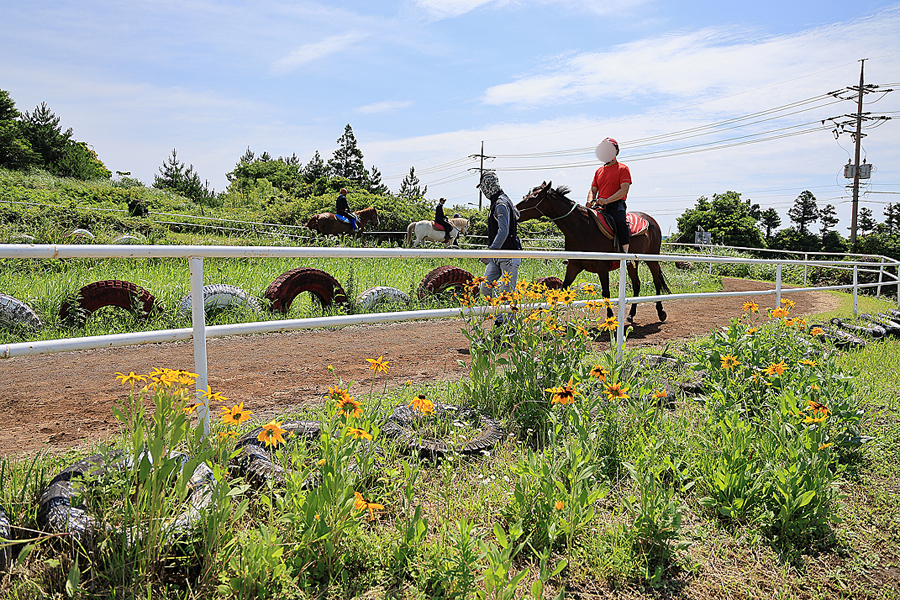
column 559, row 505
column 615, row 391
column 564, row 394
column 235, row 415
column 775, row 369
column 599, row 372
column 728, row 362
column 130, row 378
column 422, row 404
column 751, row 306
column 378, row 365
column 361, row 504
column 358, row 433
column 272, row 434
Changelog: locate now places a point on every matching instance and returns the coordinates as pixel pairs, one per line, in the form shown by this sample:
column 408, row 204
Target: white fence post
column 198, row 318
column 805, row 258
column 620, row 332
column 880, row 279
column 855, row 288
column 778, row 285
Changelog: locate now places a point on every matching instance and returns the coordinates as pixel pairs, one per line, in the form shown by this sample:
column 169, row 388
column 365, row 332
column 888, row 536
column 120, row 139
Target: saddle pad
column 636, row 225
column 343, row 219
column 437, row 226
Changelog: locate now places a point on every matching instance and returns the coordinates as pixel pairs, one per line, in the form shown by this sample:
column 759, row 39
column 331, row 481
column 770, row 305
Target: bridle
column 543, row 214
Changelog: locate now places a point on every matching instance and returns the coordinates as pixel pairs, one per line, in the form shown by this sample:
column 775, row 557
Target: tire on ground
column 218, row 296
column 15, row 313
column 253, row 461
column 381, row 295
column 323, row 287
column 57, row 515
column 5, row 534
column 552, row 283
column 112, row 292
column 444, row 278
column 401, row 425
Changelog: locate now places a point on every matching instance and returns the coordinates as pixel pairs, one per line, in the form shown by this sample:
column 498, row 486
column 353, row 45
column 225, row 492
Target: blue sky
column 424, row 82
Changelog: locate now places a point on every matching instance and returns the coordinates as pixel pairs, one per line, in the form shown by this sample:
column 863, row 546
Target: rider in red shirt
column 609, row 189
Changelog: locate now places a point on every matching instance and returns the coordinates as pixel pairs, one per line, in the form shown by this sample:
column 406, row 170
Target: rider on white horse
column 441, row 219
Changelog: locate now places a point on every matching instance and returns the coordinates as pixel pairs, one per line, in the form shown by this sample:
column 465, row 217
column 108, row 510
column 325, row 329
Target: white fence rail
column 199, row 332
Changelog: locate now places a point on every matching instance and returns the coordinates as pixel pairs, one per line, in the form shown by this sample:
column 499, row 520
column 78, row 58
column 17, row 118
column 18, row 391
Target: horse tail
column 663, row 285
column 409, row 233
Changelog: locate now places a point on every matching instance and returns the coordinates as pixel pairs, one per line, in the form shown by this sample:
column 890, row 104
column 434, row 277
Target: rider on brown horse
column 343, row 208
column 609, row 189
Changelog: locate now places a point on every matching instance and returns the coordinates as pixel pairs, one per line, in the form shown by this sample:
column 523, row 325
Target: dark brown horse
column 329, row 224
column 582, row 235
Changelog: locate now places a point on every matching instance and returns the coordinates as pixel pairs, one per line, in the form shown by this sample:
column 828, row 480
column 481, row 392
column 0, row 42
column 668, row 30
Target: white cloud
column 383, row 107
column 445, row 9
column 308, row 53
column 698, row 64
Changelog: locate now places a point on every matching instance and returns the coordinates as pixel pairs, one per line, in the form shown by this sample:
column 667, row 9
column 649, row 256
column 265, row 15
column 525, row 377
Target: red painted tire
column 445, row 278
column 112, row 292
column 325, row 288
column 552, row 283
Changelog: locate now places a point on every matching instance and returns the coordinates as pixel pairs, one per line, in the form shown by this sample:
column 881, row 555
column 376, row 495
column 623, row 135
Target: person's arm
column 590, row 197
column 621, row 193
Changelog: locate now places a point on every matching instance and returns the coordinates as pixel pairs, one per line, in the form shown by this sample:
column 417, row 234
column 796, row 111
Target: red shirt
column 609, row 180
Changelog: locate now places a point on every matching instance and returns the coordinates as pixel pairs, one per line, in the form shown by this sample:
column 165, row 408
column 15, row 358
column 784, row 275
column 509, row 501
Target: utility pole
column 480, row 169
column 856, row 121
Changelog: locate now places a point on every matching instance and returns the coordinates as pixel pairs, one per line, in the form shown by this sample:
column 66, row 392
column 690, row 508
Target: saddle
column 437, row 226
column 344, row 219
column 636, row 225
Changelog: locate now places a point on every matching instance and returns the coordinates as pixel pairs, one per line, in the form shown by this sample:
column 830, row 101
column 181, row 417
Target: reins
column 543, row 214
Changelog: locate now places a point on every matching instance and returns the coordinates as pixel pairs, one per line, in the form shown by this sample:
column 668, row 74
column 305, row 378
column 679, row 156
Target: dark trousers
column 617, row 211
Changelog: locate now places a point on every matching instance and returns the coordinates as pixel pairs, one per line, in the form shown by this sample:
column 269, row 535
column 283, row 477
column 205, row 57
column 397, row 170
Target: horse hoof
column 662, row 316
column 629, row 319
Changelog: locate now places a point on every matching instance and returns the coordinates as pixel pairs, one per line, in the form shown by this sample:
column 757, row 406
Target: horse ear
column 548, row 185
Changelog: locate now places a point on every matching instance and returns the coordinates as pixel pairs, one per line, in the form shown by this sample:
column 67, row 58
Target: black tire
column 890, row 327
column 218, row 296
column 445, row 278
column 16, row 314
column 324, row 288
column 56, row 515
column 875, row 332
column 113, row 292
column 401, row 425
column 253, row 461
column 551, row 283
column 5, row 534
column 841, row 339
column 381, row 295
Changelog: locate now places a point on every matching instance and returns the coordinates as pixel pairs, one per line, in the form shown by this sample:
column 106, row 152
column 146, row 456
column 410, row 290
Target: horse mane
column 562, row 190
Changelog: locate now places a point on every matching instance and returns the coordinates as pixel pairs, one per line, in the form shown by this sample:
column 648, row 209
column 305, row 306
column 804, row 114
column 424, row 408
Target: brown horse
column 329, row 224
column 582, row 235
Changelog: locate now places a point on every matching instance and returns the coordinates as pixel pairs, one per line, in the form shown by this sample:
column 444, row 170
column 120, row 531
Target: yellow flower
column 272, row 434
column 506, row 278
column 361, row 504
column 229, row 433
column 729, row 361
column 559, row 505
column 615, row 391
column 564, row 394
column 588, row 288
column 330, row 368
column 189, row 409
column 130, row 378
column 610, row 324
column 349, row 406
column 788, row 303
column 408, row 382
column 235, row 415
column 321, row 462
column 807, row 362
column 358, row 433
column 660, row 394
column 599, row 372
column 582, row 331
column 751, row 306
column 818, row 408
column 752, row 330
column 567, row 296
column 815, row 419
column 828, row 445
column 778, row 313
column 594, row 305
column 789, row 322
column 378, row 365
column 775, row 369
column 184, row 377
column 213, row 396
column 422, row 404
column 816, row 331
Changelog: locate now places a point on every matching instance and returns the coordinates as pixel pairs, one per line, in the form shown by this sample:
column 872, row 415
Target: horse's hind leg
column 661, row 286
column 635, row 286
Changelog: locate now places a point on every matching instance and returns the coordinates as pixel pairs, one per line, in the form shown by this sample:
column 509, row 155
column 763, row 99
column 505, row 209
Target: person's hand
column 486, row 261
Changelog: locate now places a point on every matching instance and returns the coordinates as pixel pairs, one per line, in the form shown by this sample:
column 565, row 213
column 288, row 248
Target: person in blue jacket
column 343, row 208
column 502, row 235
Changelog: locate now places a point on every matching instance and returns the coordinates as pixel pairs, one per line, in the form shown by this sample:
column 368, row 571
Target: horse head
column 368, row 214
column 532, row 201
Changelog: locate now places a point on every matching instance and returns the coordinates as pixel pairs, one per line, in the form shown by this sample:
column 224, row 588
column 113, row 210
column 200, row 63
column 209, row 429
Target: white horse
column 424, row 230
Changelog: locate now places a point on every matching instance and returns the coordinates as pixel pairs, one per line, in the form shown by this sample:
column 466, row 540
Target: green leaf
column 72, row 580
column 806, row 498
column 537, row 590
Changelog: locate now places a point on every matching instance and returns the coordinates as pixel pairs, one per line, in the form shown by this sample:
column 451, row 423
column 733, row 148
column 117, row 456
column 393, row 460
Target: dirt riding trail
column 64, row 400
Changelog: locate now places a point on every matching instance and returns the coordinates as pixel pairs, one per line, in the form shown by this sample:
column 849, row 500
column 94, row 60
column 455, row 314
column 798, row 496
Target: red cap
column 614, row 142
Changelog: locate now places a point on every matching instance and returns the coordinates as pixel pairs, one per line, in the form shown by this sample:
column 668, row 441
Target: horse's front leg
column 573, row 268
column 603, row 274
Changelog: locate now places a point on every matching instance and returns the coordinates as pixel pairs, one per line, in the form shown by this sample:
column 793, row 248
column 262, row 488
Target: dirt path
column 63, row 400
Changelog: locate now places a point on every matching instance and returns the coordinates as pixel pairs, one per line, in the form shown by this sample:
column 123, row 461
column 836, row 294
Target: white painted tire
column 128, row 239
column 14, row 313
column 218, row 296
column 83, row 234
column 22, row 238
column 381, row 294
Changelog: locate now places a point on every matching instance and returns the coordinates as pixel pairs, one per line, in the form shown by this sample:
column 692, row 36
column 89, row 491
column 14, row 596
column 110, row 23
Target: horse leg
column 603, row 274
column 635, row 286
column 573, row 268
column 660, row 285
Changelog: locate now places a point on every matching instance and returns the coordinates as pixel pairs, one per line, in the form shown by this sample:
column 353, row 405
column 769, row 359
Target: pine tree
column 770, row 220
column 314, row 169
column 44, row 133
column 866, row 220
column 827, row 219
column 892, row 218
column 804, row 211
column 374, row 182
column 410, row 188
column 15, row 149
column 347, row 160
column 174, row 176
